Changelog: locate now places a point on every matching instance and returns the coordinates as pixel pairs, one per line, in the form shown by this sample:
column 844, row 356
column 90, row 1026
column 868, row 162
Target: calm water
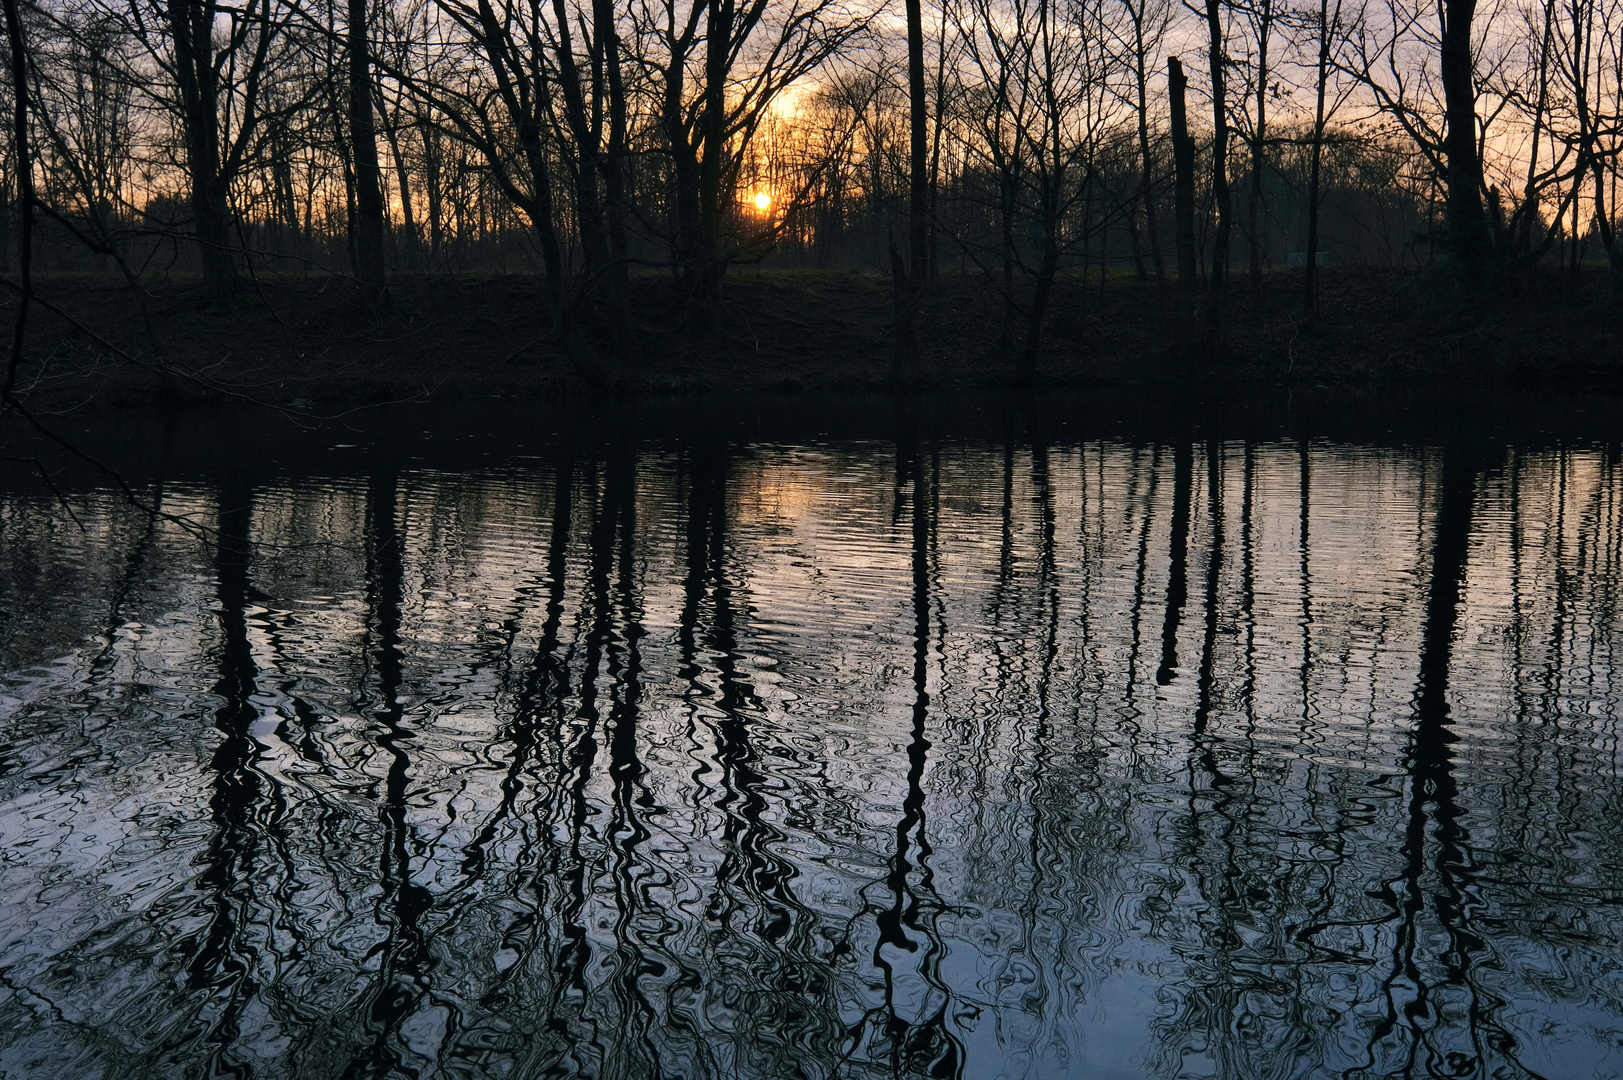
column 909, row 744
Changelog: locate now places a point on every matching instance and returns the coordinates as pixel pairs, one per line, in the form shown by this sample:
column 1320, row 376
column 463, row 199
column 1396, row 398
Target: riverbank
column 454, row 338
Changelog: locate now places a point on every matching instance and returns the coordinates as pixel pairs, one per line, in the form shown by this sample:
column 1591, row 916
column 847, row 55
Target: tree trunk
column 1006, row 190
column 211, row 218
column 192, row 26
column 710, row 260
column 1134, row 244
column 1039, row 307
column 688, row 250
column 1218, row 283
column 616, row 282
column 918, row 195
column 1146, row 188
column 1259, row 146
column 1183, row 203
column 591, row 216
column 1183, row 189
column 1051, row 186
column 1467, row 232
column 909, row 284
column 25, row 197
column 1310, row 288
column 1530, row 219
column 934, row 226
column 687, row 146
column 8, row 223
column 403, row 182
column 904, row 351
column 433, row 164
column 368, row 221
column 614, row 164
column 1608, row 235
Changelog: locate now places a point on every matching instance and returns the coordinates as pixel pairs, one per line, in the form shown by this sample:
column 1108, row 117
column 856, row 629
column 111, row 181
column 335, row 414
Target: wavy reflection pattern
column 708, row 759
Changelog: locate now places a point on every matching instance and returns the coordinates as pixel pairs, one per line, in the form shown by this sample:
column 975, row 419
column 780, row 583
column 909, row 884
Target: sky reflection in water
column 707, row 757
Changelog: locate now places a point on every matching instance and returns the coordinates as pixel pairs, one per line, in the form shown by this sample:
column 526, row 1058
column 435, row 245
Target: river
column 967, row 738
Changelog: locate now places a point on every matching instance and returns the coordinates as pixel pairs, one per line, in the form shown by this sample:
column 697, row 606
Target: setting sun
column 762, row 200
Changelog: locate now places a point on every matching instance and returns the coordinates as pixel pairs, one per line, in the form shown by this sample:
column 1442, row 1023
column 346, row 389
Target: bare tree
column 1419, row 64
column 497, row 100
column 25, row 199
column 368, row 222
column 211, row 68
column 1183, row 200
column 1044, row 80
column 908, row 279
column 593, row 149
column 89, row 128
column 1217, row 61
column 1329, row 23
column 712, row 101
column 1467, row 223
column 1148, row 23
column 1260, row 17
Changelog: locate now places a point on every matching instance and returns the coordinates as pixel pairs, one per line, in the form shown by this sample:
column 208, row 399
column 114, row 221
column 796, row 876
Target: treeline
column 1024, row 142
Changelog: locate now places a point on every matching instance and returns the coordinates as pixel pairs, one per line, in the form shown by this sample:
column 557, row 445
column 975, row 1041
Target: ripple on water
column 821, row 760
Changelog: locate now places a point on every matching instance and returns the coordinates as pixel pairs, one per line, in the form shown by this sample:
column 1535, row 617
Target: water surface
column 989, row 741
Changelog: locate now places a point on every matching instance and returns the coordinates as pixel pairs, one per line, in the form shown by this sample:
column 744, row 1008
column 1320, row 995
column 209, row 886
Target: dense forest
column 600, row 145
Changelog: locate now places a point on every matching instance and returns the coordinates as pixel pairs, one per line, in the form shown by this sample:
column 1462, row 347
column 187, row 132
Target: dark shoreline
column 204, row 443
column 786, row 331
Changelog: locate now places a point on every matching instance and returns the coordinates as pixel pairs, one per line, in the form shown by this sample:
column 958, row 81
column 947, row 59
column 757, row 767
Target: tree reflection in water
column 704, row 758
